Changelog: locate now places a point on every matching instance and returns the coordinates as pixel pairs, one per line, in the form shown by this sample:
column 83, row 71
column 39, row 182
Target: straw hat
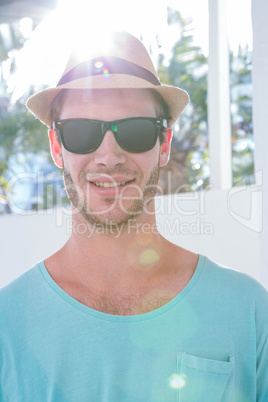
column 126, row 64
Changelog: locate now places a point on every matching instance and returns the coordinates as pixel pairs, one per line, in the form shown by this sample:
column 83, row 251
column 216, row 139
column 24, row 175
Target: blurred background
column 35, row 37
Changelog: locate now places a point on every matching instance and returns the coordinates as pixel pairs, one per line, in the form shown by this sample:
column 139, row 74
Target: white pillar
column 260, row 108
column 219, row 120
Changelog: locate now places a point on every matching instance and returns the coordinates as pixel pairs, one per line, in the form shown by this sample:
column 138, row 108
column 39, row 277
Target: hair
column 161, row 108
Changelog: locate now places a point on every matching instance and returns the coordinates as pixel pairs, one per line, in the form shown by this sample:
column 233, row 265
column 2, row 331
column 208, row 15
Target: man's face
column 110, row 186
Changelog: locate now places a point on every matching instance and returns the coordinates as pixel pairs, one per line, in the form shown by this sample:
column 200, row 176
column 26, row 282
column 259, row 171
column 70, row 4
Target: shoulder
column 233, row 286
column 236, row 294
column 18, row 291
column 230, row 276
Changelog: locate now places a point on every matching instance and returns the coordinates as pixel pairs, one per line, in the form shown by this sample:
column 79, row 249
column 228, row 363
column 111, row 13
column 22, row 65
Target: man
column 119, row 313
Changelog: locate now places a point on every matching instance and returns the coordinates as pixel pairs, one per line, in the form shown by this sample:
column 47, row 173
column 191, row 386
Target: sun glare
column 89, row 22
column 84, row 25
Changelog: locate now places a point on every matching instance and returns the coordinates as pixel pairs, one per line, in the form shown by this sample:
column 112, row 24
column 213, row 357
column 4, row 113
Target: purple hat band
column 105, row 66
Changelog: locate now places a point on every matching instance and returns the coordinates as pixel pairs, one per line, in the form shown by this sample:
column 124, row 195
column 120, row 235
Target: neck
column 131, row 263
column 109, row 238
column 134, row 250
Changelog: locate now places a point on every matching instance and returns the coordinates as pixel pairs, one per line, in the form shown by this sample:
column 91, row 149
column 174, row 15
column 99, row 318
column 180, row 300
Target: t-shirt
column 209, row 343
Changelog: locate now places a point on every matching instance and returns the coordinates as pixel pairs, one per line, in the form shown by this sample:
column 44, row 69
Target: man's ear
column 165, row 148
column 55, row 148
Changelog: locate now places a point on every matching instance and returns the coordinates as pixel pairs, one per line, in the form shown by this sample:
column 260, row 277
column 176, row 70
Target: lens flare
column 98, row 64
column 149, row 256
column 177, row 381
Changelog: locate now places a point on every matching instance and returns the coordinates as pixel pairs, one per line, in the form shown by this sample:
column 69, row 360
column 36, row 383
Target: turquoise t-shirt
column 210, row 343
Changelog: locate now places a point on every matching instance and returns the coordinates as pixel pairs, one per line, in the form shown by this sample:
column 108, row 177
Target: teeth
column 109, row 185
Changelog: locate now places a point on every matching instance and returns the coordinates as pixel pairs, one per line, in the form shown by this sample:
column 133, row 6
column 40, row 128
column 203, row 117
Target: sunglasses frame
column 159, row 123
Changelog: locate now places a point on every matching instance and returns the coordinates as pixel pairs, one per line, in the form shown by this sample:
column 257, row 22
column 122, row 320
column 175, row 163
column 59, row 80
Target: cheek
column 74, row 163
column 147, row 161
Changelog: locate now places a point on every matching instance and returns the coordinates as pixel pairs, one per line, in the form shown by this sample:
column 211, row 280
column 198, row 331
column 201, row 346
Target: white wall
column 26, row 239
column 224, row 225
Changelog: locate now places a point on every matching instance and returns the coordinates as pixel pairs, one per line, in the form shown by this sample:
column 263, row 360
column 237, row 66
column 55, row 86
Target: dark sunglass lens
column 81, row 136
column 137, row 135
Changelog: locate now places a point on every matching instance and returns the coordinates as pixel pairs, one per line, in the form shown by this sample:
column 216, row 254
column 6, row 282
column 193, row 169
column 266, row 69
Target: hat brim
column 40, row 104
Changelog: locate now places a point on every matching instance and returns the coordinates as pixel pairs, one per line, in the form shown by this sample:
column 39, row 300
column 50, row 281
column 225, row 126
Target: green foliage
column 242, row 125
column 187, row 68
column 20, row 132
column 4, row 186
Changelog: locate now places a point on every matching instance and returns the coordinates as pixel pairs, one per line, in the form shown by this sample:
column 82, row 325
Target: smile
column 109, row 185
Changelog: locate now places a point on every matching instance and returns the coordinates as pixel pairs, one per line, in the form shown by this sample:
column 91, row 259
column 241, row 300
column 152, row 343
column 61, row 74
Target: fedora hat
column 125, row 64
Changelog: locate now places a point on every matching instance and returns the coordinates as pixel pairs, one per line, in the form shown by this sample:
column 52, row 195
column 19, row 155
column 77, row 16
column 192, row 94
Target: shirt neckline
column 123, row 318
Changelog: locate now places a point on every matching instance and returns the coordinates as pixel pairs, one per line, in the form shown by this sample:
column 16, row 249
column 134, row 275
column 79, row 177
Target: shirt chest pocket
column 204, row 380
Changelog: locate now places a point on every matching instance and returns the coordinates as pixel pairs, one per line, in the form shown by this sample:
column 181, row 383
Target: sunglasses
column 136, row 134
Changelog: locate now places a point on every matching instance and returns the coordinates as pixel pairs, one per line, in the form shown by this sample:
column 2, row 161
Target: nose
column 109, row 153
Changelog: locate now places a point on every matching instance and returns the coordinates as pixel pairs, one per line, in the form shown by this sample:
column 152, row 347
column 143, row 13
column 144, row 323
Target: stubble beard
column 99, row 220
